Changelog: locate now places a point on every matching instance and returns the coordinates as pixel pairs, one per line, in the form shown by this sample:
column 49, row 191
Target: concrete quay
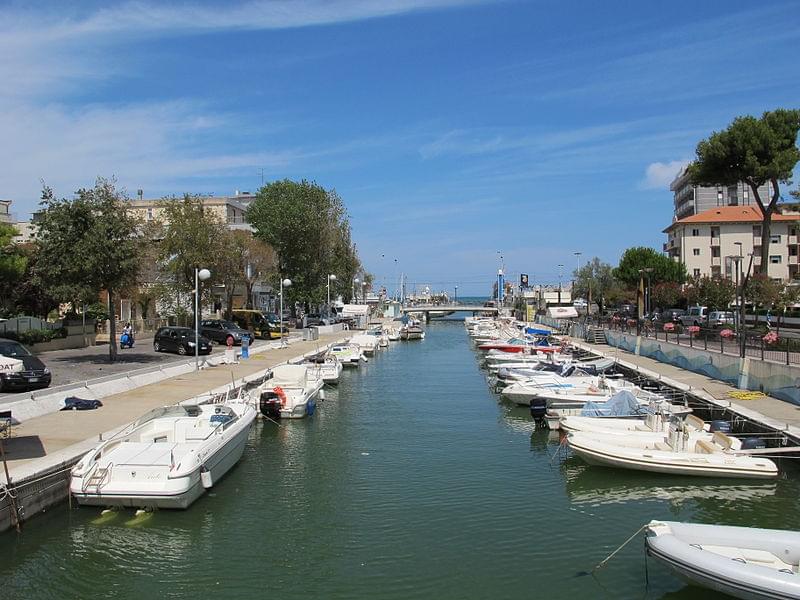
column 43, row 449
column 770, row 412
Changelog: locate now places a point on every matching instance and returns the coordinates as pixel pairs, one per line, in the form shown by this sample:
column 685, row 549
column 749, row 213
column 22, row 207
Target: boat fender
column 205, row 478
column 278, row 390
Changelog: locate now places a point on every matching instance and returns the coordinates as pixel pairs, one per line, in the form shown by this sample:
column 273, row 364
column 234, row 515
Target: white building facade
column 711, row 243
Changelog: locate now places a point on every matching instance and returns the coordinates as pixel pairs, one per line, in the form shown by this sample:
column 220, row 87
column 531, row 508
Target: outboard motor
column 753, row 443
column 721, row 426
column 270, row 405
column 538, row 409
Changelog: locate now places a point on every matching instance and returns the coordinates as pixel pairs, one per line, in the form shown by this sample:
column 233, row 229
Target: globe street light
column 199, row 275
column 363, row 293
column 330, row 278
column 455, row 301
column 355, row 282
column 284, row 283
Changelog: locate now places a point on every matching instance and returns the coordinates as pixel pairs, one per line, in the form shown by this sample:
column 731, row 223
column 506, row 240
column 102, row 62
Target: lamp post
column 739, row 292
column 199, row 275
column 330, row 278
column 647, row 304
column 456, row 297
column 284, row 283
column 355, row 283
column 578, row 258
column 560, row 274
column 363, row 293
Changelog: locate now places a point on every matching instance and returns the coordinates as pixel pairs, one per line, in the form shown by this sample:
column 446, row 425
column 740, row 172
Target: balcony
column 714, row 241
column 793, row 260
column 716, row 261
column 792, row 240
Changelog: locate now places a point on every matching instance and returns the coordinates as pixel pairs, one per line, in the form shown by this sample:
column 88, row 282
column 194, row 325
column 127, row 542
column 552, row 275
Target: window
column 746, row 194
column 696, row 251
column 696, row 272
column 695, row 232
column 715, row 252
column 775, row 259
column 792, row 250
column 775, row 239
column 715, row 232
column 715, row 271
column 757, row 230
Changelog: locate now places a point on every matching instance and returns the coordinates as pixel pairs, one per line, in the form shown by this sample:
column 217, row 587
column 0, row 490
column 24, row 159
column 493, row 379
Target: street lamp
column 560, row 274
column 330, row 278
column 363, row 293
column 284, row 283
column 456, row 298
column 199, row 275
column 355, row 283
column 647, row 304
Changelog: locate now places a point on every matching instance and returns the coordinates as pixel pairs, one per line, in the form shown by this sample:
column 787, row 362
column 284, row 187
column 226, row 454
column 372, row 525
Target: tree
column 13, row 263
column 308, row 229
column 242, row 262
column 639, row 258
column 594, row 281
column 665, row 294
column 190, row 238
column 757, row 152
column 713, row 292
column 88, row 244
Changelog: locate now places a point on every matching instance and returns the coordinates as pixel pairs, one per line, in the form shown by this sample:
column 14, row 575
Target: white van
column 695, row 315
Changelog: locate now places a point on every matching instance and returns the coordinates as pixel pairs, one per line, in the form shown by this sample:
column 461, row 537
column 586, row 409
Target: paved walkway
column 52, row 435
column 777, row 413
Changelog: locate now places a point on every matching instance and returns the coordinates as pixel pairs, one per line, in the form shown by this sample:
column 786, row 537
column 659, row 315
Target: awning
column 562, row 312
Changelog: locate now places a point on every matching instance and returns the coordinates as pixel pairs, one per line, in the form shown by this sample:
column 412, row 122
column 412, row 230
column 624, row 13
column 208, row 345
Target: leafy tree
column 13, row 263
column 190, row 237
column 31, row 296
column 309, row 231
column 88, row 244
column 243, row 261
column 713, row 292
column 639, row 258
column 666, row 294
column 757, row 152
column 594, row 281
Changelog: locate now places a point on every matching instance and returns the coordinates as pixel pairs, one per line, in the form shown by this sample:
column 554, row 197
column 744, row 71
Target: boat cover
column 621, row 404
column 74, row 403
column 533, row 331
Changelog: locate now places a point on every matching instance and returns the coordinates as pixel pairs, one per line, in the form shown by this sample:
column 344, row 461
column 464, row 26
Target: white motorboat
column 412, row 331
column 328, row 370
column 349, row 355
column 367, row 343
column 654, row 421
column 392, row 334
column 674, row 455
column 291, row 392
column 166, row 458
column 600, row 392
column 743, row 562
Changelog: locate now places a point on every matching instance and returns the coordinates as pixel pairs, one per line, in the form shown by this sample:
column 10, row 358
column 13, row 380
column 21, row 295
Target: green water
column 411, row 481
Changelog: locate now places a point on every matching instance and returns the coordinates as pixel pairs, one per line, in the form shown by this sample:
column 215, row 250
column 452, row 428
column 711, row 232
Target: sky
column 461, row 134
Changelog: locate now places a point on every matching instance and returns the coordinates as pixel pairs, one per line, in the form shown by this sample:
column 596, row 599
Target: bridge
column 449, row 309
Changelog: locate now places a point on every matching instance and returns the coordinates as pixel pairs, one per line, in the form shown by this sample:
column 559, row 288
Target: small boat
column 412, row 331
column 519, row 345
column 743, row 562
column 367, row 343
column 328, row 370
column 166, row 458
column 392, row 334
column 349, row 355
column 677, row 454
column 623, row 414
column 291, row 393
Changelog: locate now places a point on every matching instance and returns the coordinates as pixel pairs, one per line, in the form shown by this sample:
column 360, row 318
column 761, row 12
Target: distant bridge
column 449, row 308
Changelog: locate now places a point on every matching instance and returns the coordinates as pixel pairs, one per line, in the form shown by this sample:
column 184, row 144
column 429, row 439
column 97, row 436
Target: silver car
column 718, row 318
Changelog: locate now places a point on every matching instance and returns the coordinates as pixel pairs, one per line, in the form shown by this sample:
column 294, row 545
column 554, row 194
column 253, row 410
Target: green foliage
column 667, row 294
column 596, row 279
column 308, row 228
column 763, row 291
column 13, row 263
column 714, row 292
column 756, row 151
column 87, row 244
column 639, row 258
column 36, row 336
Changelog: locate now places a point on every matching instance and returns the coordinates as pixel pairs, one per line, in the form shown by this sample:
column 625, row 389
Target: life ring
column 278, row 391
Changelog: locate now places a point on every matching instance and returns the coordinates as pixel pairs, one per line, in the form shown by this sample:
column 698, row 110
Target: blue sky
column 452, row 129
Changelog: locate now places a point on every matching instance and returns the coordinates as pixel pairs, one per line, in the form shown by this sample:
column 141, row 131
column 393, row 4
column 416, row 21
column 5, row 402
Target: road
column 82, row 364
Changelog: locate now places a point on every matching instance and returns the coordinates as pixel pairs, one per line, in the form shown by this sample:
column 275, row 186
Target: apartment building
column 710, row 242
column 5, row 212
column 229, row 209
column 691, row 199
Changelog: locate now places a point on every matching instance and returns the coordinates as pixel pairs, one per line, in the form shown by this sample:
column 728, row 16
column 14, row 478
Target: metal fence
column 785, row 350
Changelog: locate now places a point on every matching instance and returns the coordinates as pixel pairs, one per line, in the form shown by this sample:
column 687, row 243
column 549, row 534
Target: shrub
column 669, row 327
column 726, row 333
column 770, row 338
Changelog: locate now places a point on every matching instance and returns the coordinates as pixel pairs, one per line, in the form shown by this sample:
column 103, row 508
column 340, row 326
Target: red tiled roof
column 731, row 214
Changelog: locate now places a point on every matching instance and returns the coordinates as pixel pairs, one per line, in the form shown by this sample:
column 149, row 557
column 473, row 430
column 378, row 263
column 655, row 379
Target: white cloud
column 659, row 175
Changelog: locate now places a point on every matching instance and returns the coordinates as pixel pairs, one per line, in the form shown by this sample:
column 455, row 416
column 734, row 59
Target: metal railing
column 785, row 350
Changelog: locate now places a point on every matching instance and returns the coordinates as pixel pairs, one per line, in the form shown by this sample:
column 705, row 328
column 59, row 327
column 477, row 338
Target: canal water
column 411, row 481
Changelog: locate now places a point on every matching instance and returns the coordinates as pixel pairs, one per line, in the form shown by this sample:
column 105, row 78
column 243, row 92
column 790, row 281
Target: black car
column 180, row 340
column 220, row 330
column 34, row 374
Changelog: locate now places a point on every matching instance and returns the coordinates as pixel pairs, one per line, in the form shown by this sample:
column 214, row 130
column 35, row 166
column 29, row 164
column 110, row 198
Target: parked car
column 34, row 374
column 718, row 318
column 263, row 325
column 672, row 315
column 695, row 315
column 180, row 340
column 220, row 330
